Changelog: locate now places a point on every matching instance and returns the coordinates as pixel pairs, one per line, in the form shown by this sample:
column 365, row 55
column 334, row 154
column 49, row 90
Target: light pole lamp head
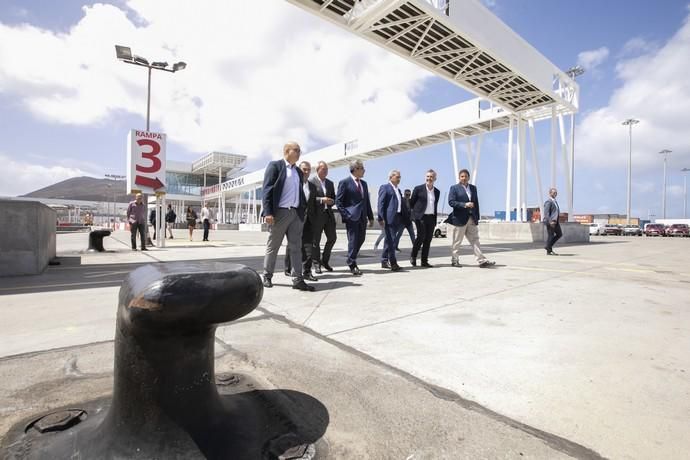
column 665, row 152
column 124, row 53
column 575, row 71
column 685, row 170
column 160, row 65
column 179, row 66
column 630, row 122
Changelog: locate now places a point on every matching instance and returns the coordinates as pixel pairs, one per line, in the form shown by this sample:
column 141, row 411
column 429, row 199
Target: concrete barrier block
column 27, row 237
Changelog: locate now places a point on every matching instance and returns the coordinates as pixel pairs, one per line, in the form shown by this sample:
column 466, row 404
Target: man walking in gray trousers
column 284, row 205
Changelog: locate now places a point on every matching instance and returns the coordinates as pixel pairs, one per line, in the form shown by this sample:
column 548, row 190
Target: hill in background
column 85, row 188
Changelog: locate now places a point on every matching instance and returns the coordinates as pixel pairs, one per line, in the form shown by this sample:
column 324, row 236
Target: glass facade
column 180, row 183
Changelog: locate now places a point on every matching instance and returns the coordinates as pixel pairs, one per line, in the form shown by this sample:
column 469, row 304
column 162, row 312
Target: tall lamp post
column 115, row 177
column 125, row 55
column 665, row 153
column 573, row 73
column 685, row 192
column 630, row 122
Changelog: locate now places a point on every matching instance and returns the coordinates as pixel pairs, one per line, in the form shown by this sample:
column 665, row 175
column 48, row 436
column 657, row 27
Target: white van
column 596, row 229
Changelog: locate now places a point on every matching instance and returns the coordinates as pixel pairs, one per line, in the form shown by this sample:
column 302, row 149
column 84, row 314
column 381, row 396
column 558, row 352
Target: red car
column 654, row 230
column 678, row 230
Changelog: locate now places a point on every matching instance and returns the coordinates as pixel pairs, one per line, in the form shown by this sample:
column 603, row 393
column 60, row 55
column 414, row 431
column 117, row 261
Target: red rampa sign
column 145, row 162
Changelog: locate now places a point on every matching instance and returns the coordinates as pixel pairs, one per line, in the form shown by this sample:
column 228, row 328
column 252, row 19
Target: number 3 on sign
column 152, row 155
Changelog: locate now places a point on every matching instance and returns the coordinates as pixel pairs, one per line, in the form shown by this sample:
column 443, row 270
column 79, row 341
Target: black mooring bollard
column 165, row 402
column 96, row 240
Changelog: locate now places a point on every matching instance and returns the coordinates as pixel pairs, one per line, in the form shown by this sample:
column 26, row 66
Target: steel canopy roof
column 471, row 48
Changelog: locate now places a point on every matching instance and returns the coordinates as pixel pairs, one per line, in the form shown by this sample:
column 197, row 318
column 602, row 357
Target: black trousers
column 324, row 225
column 425, row 233
column 206, row 227
column 554, row 233
column 141, row 227
column 356, row 233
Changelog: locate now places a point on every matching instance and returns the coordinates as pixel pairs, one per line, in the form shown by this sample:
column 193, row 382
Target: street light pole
column 573, row 73
column 125, row 55
column 685, row 192
column 665, row 153
column 630, row 122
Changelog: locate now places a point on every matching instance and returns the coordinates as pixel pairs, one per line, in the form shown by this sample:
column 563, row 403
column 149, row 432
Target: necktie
column 359, row 186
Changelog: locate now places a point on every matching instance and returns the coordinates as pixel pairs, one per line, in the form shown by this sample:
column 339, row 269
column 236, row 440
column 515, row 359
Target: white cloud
column 255, row 76
column 591, row 59
column 654, row 89
column 636, row 46
column 19, row 177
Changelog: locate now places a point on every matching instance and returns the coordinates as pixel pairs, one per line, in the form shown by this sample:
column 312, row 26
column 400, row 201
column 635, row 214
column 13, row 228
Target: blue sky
column 256, row 79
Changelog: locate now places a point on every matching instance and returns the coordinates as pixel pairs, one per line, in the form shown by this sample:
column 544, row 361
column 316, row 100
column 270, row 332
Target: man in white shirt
column 206, row 220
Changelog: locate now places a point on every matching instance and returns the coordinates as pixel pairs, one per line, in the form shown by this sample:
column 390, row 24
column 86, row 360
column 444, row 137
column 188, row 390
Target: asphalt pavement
column 579, row 355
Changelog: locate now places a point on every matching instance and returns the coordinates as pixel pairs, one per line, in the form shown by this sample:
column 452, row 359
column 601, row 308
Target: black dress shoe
column 144, row 249
column 302, row 286
column 413, row 262
column 317, row 269
column 455, row 263
column 396, row 268
column 385, row 264
column 427, row 265
column 310, row 277
column 487, row 264
column 267, row 282
column 288, row 272
column 327, row 267
column 551, row 253
column 355, row 270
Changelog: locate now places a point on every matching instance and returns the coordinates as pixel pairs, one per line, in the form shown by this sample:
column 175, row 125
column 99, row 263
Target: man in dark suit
column 424, row 204
column 553, row 228
column 464, row 219
column 407, row 223
column 391, row 216
column 354, row 206
column 308, row 229
column 284, row 206
column 324, row 221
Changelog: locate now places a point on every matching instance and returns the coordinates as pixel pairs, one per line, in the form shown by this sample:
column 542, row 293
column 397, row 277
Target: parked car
column 612, row 229
column 654, row 230
column 632, row 230
column 440, row 230
column 678, row 230
column 596, row 229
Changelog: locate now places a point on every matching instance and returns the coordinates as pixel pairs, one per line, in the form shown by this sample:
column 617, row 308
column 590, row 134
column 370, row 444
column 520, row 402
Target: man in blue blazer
column 553, row 228
column 464, row 219
column 352, row 200
column 424, row 204
column 391, row 216
column 283, row 208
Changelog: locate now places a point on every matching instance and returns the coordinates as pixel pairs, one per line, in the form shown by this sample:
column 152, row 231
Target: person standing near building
column 553, row 228
column 136, row 216
column 190, row 217
column 352, row 200
column 206, row 220
column 283, row 208
column 391, row 216
column 424, row 204
column 464, row 219
column 324, row 218
column 170, row 218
